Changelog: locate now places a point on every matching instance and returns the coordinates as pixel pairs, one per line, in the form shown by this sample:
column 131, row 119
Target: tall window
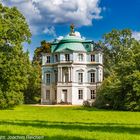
column 55, row 94
column 92, row 77
column 92, row 57
column 48, row 78
column 56, row 58
column 67, row 57
column 80, row 56
column 47, row 94
column 56, row 75
column 92, row 94
column 48, row 59
column 80, row 77
column 66, row 77
column 80, row 94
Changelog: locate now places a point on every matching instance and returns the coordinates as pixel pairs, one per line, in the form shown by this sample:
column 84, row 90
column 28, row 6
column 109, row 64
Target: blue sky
column 49, row 19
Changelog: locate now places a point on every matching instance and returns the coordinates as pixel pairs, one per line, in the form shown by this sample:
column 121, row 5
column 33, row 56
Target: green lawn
column 68, row 123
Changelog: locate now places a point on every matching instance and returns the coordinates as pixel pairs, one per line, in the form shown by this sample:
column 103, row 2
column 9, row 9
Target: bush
column 119, row 94
column 88, row 103
column 109, row 94
column 10, row 99
column 3, row 103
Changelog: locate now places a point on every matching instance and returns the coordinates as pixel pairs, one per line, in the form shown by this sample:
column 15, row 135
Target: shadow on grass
column 82, row 108
column 60, row 137
column 8, row 135
column 89, row 109
column 90, row 127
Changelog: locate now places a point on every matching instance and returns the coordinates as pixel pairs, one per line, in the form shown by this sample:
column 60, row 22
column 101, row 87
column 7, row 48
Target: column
column 58, row 74
column 69, row 74
column 61, row 80
column 97, row 74
column 43, row 94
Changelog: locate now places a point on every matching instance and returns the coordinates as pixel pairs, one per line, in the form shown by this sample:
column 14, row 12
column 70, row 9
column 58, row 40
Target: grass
column 70, row 123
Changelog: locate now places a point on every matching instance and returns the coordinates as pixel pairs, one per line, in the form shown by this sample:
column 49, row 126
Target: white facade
column 71, row 76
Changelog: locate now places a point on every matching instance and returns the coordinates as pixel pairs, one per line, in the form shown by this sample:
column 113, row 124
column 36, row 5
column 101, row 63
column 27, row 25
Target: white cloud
column 50, row 31
column 78, row 34
column 60, row 38
column 136, row 35
column 42, row 14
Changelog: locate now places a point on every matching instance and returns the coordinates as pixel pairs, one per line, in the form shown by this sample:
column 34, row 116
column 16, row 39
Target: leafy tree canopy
column 14, row 63
column 44, row 48
column 121, row 87
column 32, row 94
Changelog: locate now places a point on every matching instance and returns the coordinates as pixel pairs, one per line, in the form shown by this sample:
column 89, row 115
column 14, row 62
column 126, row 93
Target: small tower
column 72, row 33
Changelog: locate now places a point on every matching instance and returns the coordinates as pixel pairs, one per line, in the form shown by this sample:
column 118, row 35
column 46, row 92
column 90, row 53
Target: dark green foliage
column 13, row 27
column 44, row 48
column 14, row 63
column 87, row 104
column 121, row 87
column 9, row 99
column 3, row 103
column 108, row 95
column 33, row 91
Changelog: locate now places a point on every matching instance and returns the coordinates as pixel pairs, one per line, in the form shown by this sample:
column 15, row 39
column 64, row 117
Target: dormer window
column 80, row 56
column 67, row 57
column 92, row 57
column 48, row 59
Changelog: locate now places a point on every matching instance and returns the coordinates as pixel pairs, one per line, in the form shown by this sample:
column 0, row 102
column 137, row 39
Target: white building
column 72, row 71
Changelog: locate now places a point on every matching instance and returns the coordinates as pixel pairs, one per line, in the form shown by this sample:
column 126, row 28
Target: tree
column 120, row 89
column 14, row 63
column 44, row 48
column 114, row 45
column 32, row 94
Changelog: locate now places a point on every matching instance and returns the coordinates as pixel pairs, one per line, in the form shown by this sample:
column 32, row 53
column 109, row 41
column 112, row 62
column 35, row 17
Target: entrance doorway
column 64, row 96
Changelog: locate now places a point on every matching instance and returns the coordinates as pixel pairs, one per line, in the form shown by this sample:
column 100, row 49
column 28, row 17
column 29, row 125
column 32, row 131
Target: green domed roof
column 73, row 43
column 70, row 46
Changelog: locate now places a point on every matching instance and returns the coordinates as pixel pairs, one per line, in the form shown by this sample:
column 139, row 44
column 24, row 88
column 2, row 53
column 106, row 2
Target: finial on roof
column 72, row 33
